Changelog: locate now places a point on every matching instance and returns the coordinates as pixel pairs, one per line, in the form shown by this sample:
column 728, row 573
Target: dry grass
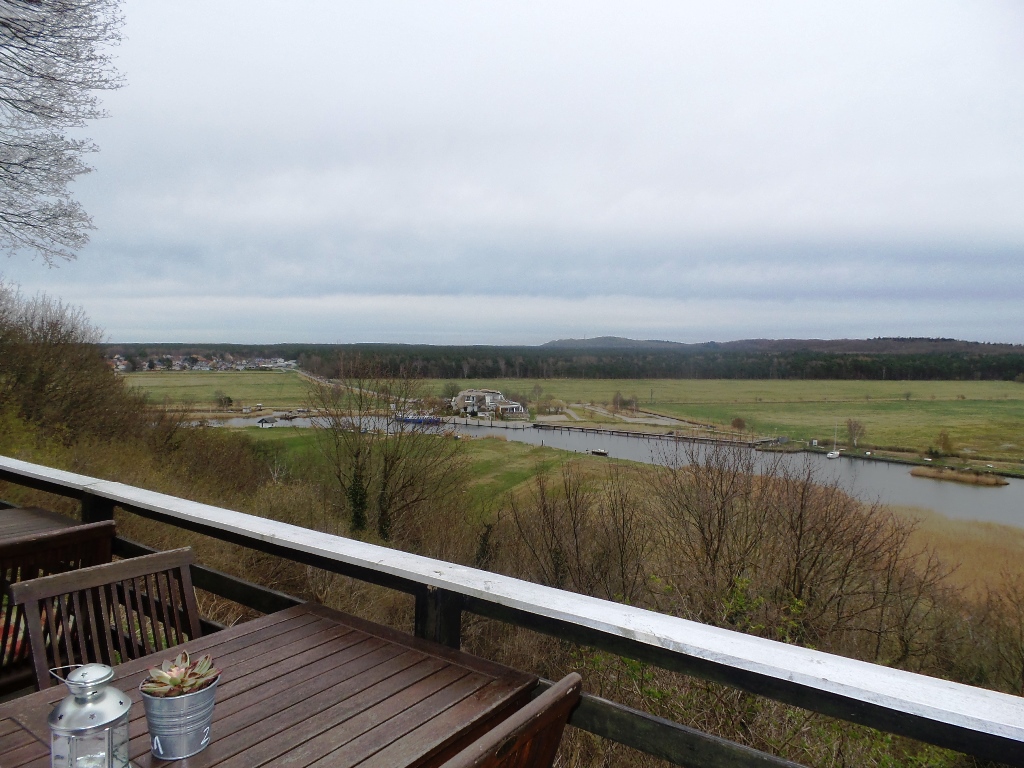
column 981, row 551
column 958, row 476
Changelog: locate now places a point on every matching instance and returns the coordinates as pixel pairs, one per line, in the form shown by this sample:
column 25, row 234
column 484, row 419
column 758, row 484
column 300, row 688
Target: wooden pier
column 548, row 427
column 749, row 442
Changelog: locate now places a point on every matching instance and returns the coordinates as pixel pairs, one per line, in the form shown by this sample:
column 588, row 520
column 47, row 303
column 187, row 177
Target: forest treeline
column 781, row 553
column 699, row 361
column 528, row 363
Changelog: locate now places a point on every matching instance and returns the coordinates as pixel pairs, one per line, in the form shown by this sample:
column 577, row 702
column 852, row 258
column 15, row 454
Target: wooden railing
column 984, row 723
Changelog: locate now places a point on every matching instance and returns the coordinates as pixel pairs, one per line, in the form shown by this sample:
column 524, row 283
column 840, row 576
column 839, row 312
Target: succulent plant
column 181, row 676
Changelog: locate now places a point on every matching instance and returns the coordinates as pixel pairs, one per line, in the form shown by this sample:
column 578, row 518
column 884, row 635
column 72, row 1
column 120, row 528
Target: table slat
column 18, row 746
column 377, row 737
column 327, row 709
column 319, row 734
column 435, row 738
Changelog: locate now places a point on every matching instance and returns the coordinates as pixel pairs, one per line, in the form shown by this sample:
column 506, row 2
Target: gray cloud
column 456, row 172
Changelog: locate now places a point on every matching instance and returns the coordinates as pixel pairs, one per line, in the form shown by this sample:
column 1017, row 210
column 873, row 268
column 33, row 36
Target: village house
column 476, row 401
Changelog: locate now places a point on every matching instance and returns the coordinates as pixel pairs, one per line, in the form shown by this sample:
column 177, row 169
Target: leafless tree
column 714, row 518
column 784, row 553
column 626, row 535
column 345, row 420
column 416, row 465
column 587, row 534
column 389, row 457
column 855, row 430
column 556, row 526
column 53, row 58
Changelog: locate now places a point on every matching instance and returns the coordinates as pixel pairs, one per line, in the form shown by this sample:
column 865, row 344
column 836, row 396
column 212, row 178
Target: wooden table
column 310, row 686
column 25, row 521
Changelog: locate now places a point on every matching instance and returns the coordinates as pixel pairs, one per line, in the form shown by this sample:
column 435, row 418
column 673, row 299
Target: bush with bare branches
column 391, row 462
column 53, row 374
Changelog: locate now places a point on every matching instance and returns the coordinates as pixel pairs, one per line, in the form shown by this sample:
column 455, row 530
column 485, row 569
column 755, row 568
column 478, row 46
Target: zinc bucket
column 179, row 726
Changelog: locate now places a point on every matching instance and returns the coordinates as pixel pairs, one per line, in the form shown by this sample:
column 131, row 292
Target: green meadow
column 985, row 418
column 199, row 389
column 496, row 466
column 981, row 418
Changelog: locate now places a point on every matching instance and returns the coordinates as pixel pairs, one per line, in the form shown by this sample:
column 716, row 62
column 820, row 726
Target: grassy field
column 680, row 391
column 197, row 389
column 496, row 466
column 981, row 417
column 297, row 445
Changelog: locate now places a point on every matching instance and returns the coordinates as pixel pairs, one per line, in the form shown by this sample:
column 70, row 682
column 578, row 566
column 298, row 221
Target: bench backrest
column 42, row 554
column 109, row 613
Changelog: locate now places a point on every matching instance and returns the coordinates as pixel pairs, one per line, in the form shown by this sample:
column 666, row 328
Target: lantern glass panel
column 60, row 750
column 119, row 744
column 106, row 748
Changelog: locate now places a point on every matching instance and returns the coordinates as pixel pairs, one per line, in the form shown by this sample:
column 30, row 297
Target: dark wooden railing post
column 439, row 616
column 95, row 509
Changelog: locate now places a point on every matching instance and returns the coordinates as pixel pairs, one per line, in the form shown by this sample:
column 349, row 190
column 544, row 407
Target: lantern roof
column 92, row 705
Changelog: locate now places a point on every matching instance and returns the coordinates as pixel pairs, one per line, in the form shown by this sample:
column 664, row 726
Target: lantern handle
column 53, row 672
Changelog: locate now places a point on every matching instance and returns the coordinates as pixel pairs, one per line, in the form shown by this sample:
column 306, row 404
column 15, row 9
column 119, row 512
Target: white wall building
column 475, row 401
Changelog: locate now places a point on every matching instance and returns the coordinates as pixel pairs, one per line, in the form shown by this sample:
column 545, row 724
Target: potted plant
column 178, row 698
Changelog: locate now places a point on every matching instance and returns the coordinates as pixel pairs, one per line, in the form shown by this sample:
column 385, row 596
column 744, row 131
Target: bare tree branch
column 53, row 58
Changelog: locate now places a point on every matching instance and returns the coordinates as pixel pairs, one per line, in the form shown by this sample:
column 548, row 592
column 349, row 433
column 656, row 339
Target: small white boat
column 834, row 454
column 598, row 452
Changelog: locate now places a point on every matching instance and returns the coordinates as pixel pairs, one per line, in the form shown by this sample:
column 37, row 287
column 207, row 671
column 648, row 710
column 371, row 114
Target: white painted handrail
column 906, row 693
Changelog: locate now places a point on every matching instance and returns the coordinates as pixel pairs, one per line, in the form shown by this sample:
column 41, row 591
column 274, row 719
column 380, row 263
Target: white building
column 476, row 401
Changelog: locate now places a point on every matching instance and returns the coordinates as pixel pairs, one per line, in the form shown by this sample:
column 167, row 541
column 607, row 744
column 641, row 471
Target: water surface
column 869, row 480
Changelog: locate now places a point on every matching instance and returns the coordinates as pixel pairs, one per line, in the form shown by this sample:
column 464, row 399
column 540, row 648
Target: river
column 883, row 481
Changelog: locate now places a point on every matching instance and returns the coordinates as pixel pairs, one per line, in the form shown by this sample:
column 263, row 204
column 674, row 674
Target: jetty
column 751, row 442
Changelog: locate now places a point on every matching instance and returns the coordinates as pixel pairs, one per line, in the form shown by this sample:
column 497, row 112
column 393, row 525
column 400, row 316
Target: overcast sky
column 517, row 172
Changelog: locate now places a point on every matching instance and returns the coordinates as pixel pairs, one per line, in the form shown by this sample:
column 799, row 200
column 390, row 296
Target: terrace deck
column 309, row 685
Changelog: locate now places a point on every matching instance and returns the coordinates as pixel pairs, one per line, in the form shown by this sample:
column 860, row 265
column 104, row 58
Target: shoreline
column 923, row 463
column 759, row 444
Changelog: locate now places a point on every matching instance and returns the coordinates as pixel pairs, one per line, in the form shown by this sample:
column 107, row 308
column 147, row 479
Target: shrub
column 53, row 373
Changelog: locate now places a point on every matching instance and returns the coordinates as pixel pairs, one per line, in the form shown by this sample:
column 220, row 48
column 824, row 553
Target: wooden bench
column 109, row 613
column 530, row 737
column 33, row 555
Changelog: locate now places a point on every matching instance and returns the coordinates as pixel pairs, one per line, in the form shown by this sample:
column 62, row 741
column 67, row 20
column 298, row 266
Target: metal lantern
column 89, row 728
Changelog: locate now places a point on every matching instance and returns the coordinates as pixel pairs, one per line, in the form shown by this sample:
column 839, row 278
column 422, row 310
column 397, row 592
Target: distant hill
column 612, row 342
